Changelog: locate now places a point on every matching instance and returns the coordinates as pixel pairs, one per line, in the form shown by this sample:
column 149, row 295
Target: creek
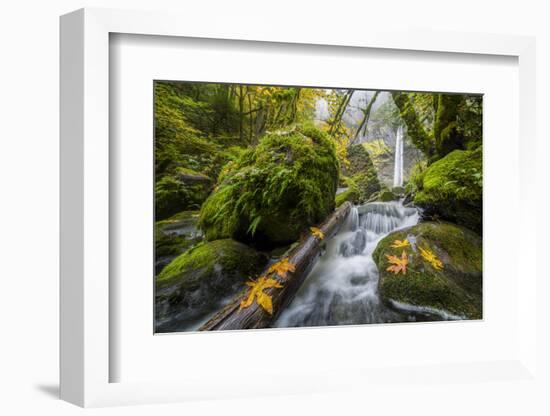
column 342, row 287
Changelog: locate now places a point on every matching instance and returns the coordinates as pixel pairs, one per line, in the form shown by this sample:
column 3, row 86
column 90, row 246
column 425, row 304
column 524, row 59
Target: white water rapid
column 398, row 164
column 342, row 287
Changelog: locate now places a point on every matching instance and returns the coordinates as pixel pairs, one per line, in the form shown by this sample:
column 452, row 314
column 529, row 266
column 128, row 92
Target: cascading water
column 398, row 164
column 342, row 287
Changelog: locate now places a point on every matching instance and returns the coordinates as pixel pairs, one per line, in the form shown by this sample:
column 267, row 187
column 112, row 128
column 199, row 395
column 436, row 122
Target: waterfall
column 398, row 165
column 342, row 287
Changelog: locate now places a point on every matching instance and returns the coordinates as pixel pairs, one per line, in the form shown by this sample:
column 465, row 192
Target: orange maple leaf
column 282, row 268
column 398, row 264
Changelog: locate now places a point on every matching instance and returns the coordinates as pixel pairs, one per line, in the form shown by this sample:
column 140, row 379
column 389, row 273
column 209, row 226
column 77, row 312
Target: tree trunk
column 241, row 114
column 415, row 130
column 446, row 134
column 250, row 118
column 303, row 257
column 340, row 112
column 366, row 116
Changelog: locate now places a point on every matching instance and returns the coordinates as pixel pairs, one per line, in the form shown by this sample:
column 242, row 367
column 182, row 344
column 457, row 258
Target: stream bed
column 342, row 287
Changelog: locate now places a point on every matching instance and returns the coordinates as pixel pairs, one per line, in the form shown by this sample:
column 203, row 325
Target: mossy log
column 303, row 257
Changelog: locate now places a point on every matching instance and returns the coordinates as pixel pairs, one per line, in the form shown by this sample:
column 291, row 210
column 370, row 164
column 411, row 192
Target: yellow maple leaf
column 398, row 264
column 256, row 291
column 431, row 258
column 282, row 268
column 316, row 232
column 400, row 244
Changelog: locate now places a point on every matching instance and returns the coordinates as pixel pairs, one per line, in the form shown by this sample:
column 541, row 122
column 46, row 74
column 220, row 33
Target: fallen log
column 302, row 256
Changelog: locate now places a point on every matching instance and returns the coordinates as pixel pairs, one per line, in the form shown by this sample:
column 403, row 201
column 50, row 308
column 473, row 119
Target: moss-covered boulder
column 274, row 191
column 175, row 235
column 351, row 192
column 455, row 290
column 398, row 190
column 198, row 281
column 361, row 171
column 181, row 191
column 386, row 195
column 367, row 184
column 452, row 189
column 359, row 160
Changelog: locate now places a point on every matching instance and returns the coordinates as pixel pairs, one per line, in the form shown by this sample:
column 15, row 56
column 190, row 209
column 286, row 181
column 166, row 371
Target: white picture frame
column 85, row 217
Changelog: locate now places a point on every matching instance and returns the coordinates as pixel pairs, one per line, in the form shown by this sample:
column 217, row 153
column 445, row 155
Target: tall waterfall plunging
column 398, row 164
column 342, row 287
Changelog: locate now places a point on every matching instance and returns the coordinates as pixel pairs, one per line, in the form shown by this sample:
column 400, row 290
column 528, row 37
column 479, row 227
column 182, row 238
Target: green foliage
column 456, row 288
column 416, row 130
column 416, row 178
column 275, row 190
column 181, row 129
column 173, row 195
column 377, row 148
column 452, row 188
column 437, row 124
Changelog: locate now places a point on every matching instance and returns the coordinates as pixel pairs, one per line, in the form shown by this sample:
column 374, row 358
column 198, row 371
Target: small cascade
column 398, row 164
column 342, row 287
column 383, row 217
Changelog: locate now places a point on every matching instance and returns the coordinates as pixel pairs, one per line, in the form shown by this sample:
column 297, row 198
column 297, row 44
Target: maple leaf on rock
column 400, row 244
column 398, row 264
column 316, row 232
column 256, row 291
column 431, row 258
column 282, row 268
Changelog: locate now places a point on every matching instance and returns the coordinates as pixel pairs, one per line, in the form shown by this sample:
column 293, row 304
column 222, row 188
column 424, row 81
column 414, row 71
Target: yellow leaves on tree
column 400, row 244
column 282, row 268
column 316, row 232
column 256, row 291
column 431, row 258
column 398, row 264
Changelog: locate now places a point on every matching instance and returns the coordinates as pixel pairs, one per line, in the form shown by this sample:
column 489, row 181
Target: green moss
column 173, row 195
column 362, row 172
column 271, row 193
column 367, row 184
column 199, row 281
column 416, row 177
column 452, row 189
column 206, row 260
column 386, row 195
column 359, row 160
column 352, row 194
column 170, row 239
column 446, row 134
column 457, row 288
column 192, row 174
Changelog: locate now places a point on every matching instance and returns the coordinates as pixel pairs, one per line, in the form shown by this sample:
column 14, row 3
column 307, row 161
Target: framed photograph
column 290, row 206
column 306, row 203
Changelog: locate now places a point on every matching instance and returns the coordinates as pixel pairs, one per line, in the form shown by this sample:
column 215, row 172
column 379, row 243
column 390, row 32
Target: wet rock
column 455, row 289
column 196, row 282
column 354, row 245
